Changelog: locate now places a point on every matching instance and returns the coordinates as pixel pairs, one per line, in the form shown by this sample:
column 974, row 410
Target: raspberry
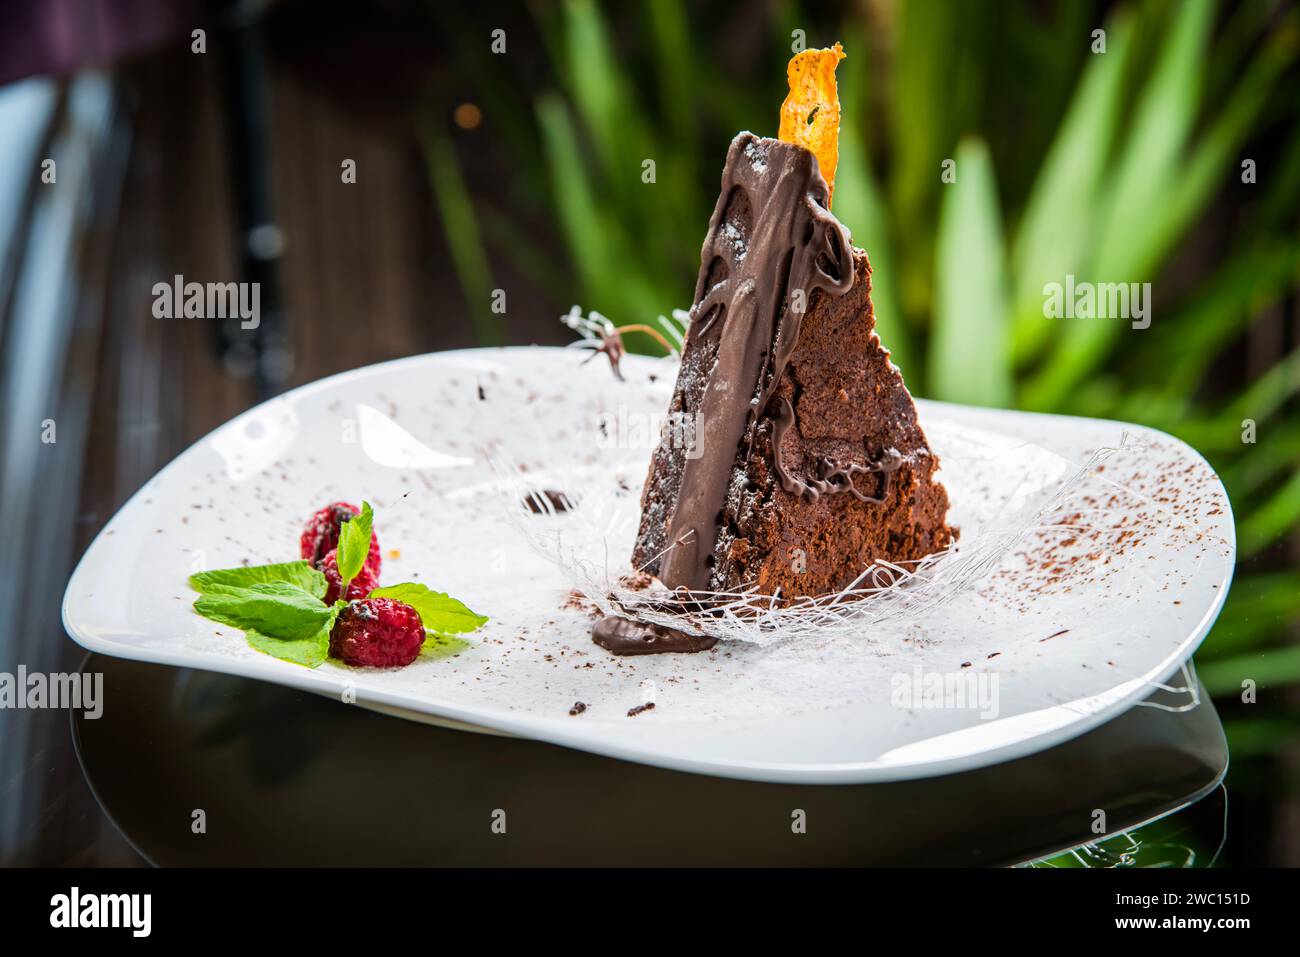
column 321, row 535
column 359, row 587
column 377, row 633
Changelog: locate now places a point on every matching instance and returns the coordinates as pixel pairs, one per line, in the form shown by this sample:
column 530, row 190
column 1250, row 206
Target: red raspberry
column 321, row 535
column 359, row 587
column 377, row 633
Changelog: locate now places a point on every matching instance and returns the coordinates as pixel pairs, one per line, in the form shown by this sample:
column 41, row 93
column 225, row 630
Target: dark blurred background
column 1165, row 149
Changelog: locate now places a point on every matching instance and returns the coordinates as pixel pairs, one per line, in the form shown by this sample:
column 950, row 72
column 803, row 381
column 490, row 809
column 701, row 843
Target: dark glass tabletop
column 197, row 768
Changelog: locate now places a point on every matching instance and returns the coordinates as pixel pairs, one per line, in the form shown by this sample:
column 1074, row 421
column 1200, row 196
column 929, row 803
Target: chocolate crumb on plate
column 558, row 501
column 577, row 601
column 637, row 581
column 578, row 708
column 633, row 712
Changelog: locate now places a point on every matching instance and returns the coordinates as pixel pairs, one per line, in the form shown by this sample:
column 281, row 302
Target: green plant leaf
column 1130, row 240
column 541, row 266
column 1164, row 116
column 969, row 354
column 460, row 225
column 495, row 82
column 590, row 251
column 1258, row 611
column 600, row 90
column 1276, row 452
column 1214, row 152
column 674, row 68
column 1274, row 518
column 1281, row 191
column 299, row 574
column 1268, row 393
column 1053, row 237
column 440, row 613
column 309, row 652
column 1273, row 669
column 275, row 609
column 929, row 98
column 861, row 207
column 1260, row 736
column 1216, row 311
column 354, row 545
column 597, row 245
column 1159, row 189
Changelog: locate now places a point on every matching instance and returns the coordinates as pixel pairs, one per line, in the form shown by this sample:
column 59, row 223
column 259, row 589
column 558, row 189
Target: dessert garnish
column 321, row 535
column 377, row 633
column 810, row 115
column 330, row 604
column 359, row 587
column 602, row 337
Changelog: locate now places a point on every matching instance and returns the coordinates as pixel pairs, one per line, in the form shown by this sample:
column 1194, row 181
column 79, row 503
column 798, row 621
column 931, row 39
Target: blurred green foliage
column 1105, row 165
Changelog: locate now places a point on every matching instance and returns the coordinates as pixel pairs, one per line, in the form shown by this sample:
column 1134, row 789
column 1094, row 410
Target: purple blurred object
column 57, row 36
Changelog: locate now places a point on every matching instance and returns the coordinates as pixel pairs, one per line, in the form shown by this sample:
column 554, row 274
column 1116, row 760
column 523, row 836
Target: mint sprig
column 439, row 612
column 280, row 607
column 308, row 652
column 298, row 573
column 354, row 545
column 276, row 609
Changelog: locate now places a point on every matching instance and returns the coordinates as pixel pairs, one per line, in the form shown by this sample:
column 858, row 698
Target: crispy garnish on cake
column 810, row 115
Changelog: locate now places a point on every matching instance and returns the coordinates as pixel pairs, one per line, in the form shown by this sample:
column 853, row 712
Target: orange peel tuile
column 810, row 115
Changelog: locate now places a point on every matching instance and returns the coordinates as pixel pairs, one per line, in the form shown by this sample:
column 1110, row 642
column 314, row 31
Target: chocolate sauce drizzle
column 834, row 477
column 771, row 243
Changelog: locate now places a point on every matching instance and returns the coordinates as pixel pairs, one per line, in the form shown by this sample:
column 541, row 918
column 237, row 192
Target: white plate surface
column 1108, row 595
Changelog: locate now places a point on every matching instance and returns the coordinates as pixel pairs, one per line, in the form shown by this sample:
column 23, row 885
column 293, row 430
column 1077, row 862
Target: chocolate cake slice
column 806, row 465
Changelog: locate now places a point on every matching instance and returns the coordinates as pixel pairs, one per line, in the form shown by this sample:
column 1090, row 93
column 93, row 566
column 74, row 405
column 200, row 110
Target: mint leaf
column 224, row 580
column 440, row 613
column 354, row 545
column 309, row 652
column 278, row 607
column 275, row 609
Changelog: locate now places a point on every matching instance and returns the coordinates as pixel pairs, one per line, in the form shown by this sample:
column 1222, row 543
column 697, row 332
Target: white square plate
column 1105, row 594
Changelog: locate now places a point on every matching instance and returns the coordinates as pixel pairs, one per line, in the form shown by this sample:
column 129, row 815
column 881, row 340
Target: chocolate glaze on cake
column 813, row 466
